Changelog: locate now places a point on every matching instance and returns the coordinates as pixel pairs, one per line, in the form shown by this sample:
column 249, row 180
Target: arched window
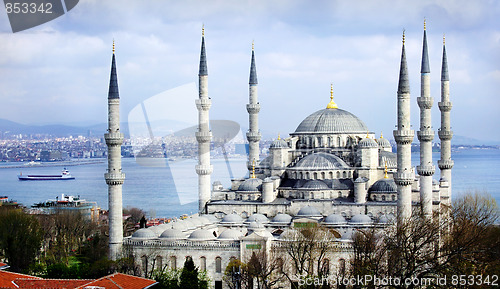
column 323, row 195
column 173, row 262
column 338, row 175
column 322, row 175
column 325, row 267
column 340, row 194
column 393, row 197
column 144, row 261
column 341, row 267
column 315, row 176
column 159, row 263
column 350, row 174
column 218, row 265
column 279, row 264
column 344, row 175
column 311, row 196
column 330, row 175
column 383, row 197
column 307, row 175
column 203, row 263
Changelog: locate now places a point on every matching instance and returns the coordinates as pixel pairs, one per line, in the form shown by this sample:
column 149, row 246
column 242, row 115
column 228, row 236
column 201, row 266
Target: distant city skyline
column 59, row 72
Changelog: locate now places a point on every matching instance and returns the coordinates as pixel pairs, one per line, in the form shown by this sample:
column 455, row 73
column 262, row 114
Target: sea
column 169, row 188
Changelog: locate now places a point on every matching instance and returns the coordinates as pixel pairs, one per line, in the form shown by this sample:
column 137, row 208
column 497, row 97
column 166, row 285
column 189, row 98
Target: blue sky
column 59, row 72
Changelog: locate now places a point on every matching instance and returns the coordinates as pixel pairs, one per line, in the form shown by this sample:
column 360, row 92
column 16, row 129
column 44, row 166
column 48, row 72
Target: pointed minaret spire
column 253, row 109
column 404, row 136
column 113, row 79
column 114, row 176
column 203, row 55
column 425, row 68
column 404, row 83
column 425, row 135
column 445, row 134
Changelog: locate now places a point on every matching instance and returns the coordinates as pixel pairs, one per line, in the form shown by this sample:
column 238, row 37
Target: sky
column 58, row 72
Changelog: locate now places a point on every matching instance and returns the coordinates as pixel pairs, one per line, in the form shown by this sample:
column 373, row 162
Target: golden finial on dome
column 331, row 104
column 113, row 46
column 279, row 136
column 381, row 135
column 385, row 171
column 444, row 39
column 424, row 24
column 203, row 30
column 253, row 45
column 403, row 37
column 253, row 169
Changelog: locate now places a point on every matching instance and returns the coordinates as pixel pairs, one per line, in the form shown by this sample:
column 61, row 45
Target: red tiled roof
column 50, row 283
column 120, row 281
column 6, row 279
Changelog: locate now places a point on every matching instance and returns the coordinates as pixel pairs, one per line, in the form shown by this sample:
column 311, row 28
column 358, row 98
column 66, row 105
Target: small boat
column 65, row 175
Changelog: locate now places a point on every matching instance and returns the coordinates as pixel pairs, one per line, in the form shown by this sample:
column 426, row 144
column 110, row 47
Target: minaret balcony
column 113, row 138
column 405, row 178
column 204, row 169
column 445, row 134
column 253, row 108
column 404, row 136
column 425, row 135
column 203, row 136
column 425, row 102
column 253, row 136
column 445, row 106
column 445, row 164
column 426, row 170
column 114, row 178
column 203, row 103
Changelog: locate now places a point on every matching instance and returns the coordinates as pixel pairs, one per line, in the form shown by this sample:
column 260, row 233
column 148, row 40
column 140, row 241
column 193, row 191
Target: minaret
column 445, row 134
column 425, row 134
column 404, row 136
column 203, row 135
column 114, row 176
column 253, row 108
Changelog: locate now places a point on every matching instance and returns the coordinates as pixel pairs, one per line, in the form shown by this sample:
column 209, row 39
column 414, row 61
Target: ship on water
column 65, row 175
column 68, row 203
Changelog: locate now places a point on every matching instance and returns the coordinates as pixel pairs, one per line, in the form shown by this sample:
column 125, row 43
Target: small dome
column 347, row 236
column 232, row 219
column 384, row 143
column 361, row 220
column 360, row 180
column 258, row 217
column 335, row 219
column 179, row 225
column 308, row 211
column 211, row 218
column 204, row 220
column 201, row 235
column 230, row 234
column 386, row 219
column 367, row 143
column 251, row 185
column 255, row 226
column 144, row 233
column 331, row 121
column 282, row 218
column 384, row 186
column 315, row 185
column 172, row 234
column 321, row 161
column 196, row 221
column 278, row 144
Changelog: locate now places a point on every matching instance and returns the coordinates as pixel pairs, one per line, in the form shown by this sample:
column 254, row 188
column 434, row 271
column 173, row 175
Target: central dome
column 332, row 121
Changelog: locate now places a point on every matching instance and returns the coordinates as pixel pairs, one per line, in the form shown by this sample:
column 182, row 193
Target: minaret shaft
column 114, row 176
column 253, row 108
column 203, row 135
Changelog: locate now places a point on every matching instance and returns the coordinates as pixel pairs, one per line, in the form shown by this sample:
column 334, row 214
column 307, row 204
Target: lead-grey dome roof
column 172, row 234
column 367, row 143
column 230, row 234
column 321, row 161
column 251, row 185
column 257, row 217
column 335, row 219
column 361, row 219
column 279, row 144
column 282, row 218
column 144, row 233
column 332, row 121
column 383, row 186
column 315, row 185
column 201, row 235
column 232, row 219
column 384, row 143
column 308, row 211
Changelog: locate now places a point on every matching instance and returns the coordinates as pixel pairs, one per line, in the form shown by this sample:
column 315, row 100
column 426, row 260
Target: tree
column 20, row 238
column 187, row 278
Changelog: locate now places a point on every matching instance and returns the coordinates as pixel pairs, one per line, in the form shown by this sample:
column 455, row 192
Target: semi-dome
column 279, row 144
column 230, row 234
column 258, row 217
column 282, row 219
column 384, row 143
column 201, row 235
column 367, row 143
column 321, row 161
column 361, row 220
column 315, row 185
column 383, row 186
column 144, row 233
column 308, row 211
column 332, row 121
column 172, row 234
column 232, row 219
column 335, row 219
column 251, row 185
